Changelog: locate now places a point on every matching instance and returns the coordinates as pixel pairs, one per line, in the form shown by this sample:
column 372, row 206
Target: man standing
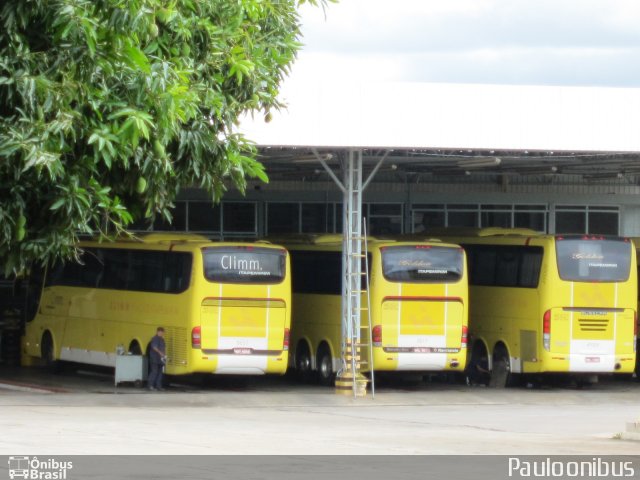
column 157, row 357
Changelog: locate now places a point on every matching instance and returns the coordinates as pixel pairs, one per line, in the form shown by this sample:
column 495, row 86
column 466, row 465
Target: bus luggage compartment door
column 589, row 336
column 420, row 334
column 242, row 334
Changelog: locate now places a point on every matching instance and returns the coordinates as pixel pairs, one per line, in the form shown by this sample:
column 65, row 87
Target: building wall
column 609, row 204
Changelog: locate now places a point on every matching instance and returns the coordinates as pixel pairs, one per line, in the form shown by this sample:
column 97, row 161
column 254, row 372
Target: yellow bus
column 548, row 304
column 225, row 306
column 418, row 305
column 636, row 242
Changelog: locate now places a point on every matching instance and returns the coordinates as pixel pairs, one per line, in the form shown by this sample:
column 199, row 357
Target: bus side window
column 507, row 267
column 92, row 268
column 116, row 269
column 176, row 271
column 484, row 271
column 531, row 264
column 54, row 274
column 316, row 272
column 147, row 271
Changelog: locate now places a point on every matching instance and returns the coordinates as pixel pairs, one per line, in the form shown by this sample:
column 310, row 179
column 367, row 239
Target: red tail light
column 285, row 341
column 196, row 337
column 546, row 330
column 376, row 336
column 465, row 336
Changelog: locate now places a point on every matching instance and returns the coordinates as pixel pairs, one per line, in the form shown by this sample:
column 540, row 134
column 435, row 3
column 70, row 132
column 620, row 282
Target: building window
column 496, row 216
column 203, row 217
column 283, row 218
column 595, row 220
column 338, row 217
column 426, row 216
column 530, row 216
column 178, row 222
column 383, row 218
column 314, row 218
column 462, row 216
column 239, row 218
column 571, row 222
column 603, row 223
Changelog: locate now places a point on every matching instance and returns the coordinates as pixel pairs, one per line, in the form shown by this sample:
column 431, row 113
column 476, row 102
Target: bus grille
column 177, row 346
column 593, row 324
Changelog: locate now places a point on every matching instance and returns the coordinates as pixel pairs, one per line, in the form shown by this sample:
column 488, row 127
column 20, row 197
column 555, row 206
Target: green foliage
column 109, row 107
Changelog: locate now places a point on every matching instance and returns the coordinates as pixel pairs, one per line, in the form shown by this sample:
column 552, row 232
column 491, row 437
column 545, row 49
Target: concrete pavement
column 274, row 416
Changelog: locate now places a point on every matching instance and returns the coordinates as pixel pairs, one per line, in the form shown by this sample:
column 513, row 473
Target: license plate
column 593, row 359
column 242, row 351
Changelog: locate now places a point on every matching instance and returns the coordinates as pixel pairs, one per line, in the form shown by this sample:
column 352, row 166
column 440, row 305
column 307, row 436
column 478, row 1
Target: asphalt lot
column 82, row 412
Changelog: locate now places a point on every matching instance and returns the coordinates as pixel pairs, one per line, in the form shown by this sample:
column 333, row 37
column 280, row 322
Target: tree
column 109, row 107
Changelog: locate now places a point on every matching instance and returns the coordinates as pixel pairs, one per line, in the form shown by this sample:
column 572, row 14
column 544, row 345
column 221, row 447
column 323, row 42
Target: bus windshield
column 244, row 265
column 422, row 264
column 585, row 259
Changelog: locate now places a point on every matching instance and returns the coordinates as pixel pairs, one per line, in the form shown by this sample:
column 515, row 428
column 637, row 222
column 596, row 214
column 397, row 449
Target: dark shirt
column 156, row 342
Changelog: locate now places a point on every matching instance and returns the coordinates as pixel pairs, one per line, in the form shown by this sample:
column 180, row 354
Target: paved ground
column 82, row 413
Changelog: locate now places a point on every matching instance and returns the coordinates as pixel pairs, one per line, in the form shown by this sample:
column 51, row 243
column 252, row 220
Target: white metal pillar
column 351, row 256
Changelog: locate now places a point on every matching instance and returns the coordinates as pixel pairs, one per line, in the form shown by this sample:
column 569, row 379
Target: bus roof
column 481, row 232
column 156, row 237
column 316, row 239
column 334, row 240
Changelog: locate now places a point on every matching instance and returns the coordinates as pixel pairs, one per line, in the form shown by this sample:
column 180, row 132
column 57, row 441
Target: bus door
column 243, row 320
column 597, row 323
column 422, row 312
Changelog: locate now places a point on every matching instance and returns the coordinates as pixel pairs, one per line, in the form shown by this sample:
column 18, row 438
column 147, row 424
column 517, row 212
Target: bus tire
column 303, row 362
column 47, row 353
column 324, row 364
column 477, row 370
column 586, row 381
column 501, row 376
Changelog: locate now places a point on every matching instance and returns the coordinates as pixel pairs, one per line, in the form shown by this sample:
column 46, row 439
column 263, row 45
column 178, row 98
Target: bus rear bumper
column 419, row 362
column 584, row 363
column 241, row 364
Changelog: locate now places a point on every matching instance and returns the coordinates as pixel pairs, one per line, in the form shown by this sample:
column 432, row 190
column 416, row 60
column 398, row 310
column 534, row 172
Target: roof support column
column 348, row 379
column 351, row 271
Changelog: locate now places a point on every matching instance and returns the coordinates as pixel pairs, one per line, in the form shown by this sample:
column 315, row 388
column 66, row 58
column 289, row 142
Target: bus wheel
column 47, row 353
column 477, row 369
column 501, row 376
column 325, row 366
column 586, row 381
column 303, row 362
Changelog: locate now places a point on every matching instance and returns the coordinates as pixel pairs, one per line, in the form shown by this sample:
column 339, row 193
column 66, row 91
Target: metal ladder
column 366, row 328
column 357, row 328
